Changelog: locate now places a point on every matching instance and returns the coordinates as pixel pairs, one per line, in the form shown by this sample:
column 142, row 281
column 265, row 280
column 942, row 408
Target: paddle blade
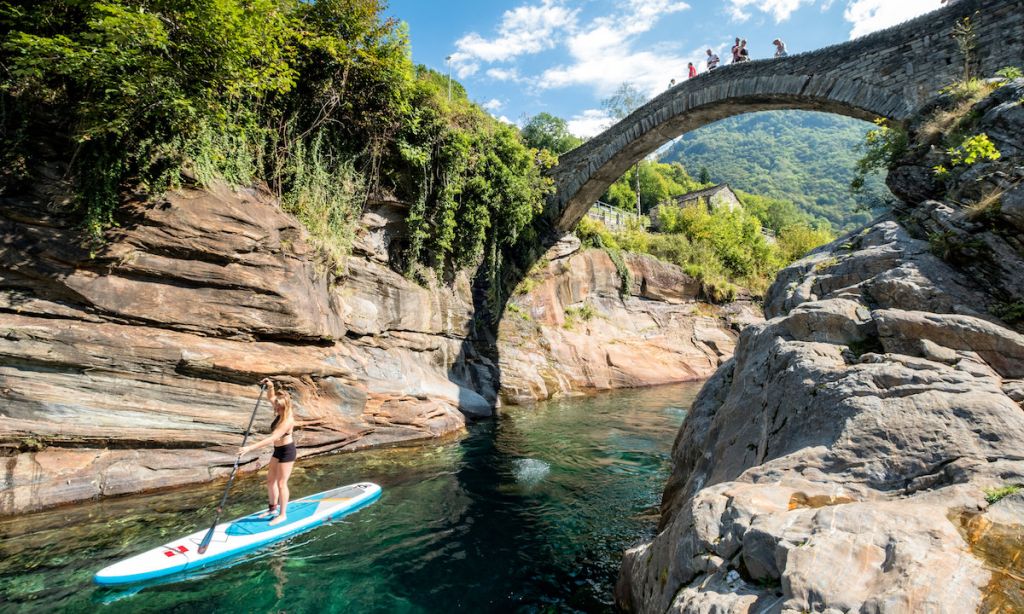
column 203, row 545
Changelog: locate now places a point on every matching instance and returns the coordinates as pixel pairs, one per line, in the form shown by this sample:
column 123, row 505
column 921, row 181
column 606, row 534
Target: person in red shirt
column 693, row 70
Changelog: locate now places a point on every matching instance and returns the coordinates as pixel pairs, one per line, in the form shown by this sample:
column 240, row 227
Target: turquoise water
column 527, row 513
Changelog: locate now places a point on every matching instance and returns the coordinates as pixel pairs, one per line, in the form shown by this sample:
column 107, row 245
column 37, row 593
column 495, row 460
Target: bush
column 1010, row 73
column 593, row 233
column 974, row 149
column 882, row 147
column 319, row 100
column 735, row 236
column 722, row 250
column 967, row 90
column 994, row 495
column 797, row 240
column 575, row 315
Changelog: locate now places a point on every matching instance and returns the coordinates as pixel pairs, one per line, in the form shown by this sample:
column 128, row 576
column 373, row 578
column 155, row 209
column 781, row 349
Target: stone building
column 715, row 198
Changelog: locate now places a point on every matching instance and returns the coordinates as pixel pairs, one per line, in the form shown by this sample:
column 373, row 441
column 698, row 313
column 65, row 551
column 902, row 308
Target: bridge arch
column 887, row 74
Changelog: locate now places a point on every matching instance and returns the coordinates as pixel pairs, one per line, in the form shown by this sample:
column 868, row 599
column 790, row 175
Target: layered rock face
column 576, row 329
column 135, row 367
column 840, row 462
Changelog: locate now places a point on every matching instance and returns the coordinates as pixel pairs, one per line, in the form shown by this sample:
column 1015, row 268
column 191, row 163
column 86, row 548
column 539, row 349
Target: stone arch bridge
column 887, row 74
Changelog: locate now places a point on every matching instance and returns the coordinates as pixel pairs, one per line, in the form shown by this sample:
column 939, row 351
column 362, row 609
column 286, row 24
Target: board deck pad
column 231, row 539
column 251, row 525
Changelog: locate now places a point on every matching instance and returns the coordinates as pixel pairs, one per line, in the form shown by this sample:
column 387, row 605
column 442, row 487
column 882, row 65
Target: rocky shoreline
column 860, row 451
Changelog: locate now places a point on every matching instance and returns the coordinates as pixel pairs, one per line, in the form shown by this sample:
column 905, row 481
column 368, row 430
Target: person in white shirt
column 780, row 48
column 712, row 60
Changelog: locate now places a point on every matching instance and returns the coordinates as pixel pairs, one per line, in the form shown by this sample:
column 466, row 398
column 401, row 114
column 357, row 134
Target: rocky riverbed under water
column 528, row 512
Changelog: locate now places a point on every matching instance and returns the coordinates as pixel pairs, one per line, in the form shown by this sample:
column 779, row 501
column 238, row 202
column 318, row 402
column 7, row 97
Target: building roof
column 705, row 193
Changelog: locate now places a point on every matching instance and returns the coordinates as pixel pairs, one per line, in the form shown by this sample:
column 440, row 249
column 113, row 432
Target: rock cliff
column 131, row 365
column 855, row 453
column 134, row 367
column 579, row 325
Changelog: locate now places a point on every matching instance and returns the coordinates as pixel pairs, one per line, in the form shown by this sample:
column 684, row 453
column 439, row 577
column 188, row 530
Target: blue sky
column 521, row 57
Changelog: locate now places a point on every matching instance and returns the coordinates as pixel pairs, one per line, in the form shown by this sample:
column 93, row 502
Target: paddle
column 203, row 545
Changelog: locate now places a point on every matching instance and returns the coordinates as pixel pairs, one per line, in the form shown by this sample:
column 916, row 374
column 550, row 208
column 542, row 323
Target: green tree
column 318, row 100
column 545, row 131
column 658, row 183
column 626, row 99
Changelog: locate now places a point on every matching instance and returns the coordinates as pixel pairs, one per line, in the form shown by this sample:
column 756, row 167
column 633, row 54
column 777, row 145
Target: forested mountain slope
column 802, row 156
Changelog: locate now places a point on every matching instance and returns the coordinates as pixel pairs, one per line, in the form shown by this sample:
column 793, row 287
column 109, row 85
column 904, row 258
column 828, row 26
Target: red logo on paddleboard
column 175, row 550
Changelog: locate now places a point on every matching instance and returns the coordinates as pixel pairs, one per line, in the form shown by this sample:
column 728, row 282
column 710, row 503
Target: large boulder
column 850, row 433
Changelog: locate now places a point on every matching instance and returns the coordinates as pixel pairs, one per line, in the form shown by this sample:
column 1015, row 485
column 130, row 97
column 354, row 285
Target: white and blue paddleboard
column 239, row 536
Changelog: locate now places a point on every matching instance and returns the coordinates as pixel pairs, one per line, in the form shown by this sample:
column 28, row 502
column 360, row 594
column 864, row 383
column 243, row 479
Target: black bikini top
column 273, row 425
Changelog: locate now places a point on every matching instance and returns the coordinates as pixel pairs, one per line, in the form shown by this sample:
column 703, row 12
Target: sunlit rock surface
column 579, row 325
column 133, row 365
column 840, row 461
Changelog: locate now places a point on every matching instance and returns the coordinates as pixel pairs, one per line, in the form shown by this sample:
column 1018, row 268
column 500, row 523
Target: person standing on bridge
column 691, row 70
column 780, row 48
column 736, row 51
column 744, row 52
column 712, row 60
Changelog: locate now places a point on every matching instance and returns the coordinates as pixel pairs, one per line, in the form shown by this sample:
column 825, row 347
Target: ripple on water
column 531, row 471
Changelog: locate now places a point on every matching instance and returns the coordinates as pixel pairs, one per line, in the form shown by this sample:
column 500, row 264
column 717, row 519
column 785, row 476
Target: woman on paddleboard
column 284, row 453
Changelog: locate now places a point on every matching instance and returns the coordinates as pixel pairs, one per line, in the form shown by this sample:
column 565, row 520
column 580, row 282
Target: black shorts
column 285, row 453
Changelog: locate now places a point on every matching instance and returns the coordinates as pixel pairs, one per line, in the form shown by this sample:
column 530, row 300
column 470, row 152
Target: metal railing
column 613, row 217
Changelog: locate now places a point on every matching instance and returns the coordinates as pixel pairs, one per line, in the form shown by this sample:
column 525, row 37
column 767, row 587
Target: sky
column 518, row 58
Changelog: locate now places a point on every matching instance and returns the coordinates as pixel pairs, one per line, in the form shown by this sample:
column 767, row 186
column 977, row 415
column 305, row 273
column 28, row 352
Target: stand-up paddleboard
column 239, row 536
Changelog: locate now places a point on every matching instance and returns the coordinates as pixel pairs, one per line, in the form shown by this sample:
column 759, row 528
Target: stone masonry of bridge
column 887, row 74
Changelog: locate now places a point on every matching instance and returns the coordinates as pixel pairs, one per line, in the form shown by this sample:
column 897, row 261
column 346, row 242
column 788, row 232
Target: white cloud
column 503, row 119
column 603, row 55
column 865, row 15
column 870, row 15
column 590, row 122
column 523, row 30
column 493, row 105
column 503, row 74
column 780, row 9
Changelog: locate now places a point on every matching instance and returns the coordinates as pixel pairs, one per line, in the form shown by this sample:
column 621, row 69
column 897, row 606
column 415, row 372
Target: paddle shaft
column 203, row 545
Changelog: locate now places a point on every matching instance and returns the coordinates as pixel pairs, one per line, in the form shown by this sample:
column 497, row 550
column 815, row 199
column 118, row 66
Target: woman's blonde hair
column 285, row 401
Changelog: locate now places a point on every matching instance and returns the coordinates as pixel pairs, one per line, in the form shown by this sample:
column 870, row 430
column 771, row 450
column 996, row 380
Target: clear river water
column 527, row 513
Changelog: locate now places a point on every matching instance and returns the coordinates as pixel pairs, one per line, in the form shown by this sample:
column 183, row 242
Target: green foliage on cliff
column 723, row 249
column 477, row 185
column 802, row 157
column 317, row 100
column 995, row 495
column 658, row 183
column 882, row 146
